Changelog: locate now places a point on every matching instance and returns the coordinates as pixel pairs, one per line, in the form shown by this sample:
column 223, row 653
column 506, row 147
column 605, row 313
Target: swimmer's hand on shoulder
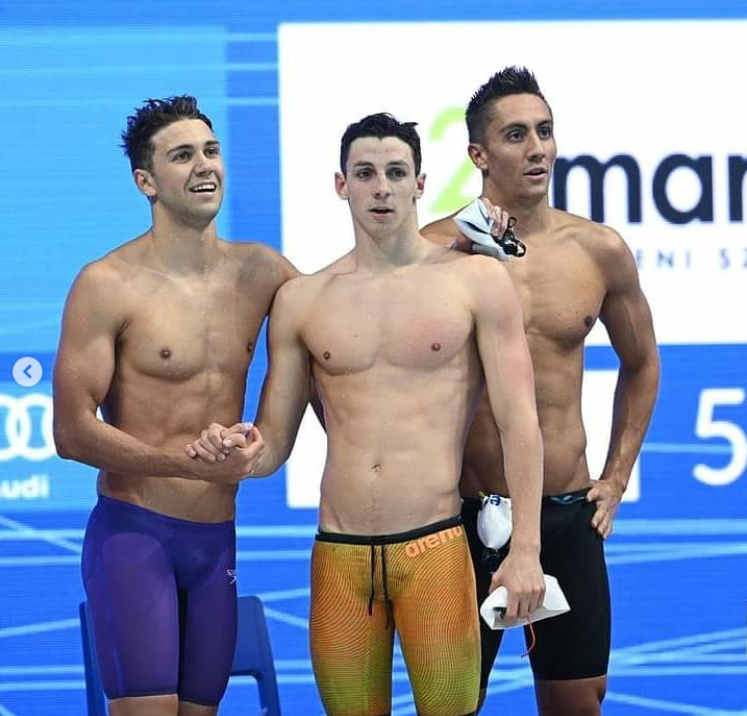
column 477, row 221
column 487, row 229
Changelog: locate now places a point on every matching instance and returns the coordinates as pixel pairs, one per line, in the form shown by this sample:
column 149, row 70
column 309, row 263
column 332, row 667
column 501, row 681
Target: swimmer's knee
column 572, row 697
column 188, row 708
column 161, row 705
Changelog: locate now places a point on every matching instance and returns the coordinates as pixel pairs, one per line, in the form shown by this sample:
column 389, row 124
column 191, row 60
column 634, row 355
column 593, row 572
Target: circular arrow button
column 27, row 371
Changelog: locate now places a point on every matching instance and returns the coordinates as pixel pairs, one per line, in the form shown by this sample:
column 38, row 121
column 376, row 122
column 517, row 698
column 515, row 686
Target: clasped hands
column 228, row 453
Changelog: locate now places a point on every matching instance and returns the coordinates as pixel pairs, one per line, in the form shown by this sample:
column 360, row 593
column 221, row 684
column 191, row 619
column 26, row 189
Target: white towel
column 493, row 608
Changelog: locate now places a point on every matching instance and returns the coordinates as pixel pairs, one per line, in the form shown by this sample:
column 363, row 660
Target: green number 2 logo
column 453, row 196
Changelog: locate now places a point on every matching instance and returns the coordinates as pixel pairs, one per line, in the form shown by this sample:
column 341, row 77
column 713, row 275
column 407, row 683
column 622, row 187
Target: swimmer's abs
column 484, row 473
column 406, row 507
column 186, row 499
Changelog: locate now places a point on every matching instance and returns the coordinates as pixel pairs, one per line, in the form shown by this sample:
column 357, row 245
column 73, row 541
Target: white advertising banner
column 648, row 118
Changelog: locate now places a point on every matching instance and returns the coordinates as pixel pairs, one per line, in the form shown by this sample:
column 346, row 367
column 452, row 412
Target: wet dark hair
column 155, row 114
column 381, row 125
column 510, row 80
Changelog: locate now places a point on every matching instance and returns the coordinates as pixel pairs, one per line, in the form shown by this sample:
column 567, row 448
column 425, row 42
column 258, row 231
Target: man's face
column 519, row 147
column 187, row 172
column 381, row 185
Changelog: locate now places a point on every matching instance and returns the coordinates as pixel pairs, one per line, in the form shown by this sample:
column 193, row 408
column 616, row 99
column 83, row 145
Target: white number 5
column 707, row 427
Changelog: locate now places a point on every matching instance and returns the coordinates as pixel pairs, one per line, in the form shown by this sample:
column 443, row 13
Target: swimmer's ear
column 477, row 155
column 341, row 185
column 420, row 186
column 144, row 182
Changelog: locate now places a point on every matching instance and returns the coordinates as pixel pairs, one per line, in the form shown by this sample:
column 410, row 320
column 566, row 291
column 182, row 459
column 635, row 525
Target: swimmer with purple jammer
column 159, row 334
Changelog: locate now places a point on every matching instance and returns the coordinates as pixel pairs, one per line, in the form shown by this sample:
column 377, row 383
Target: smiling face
column 380, row 184
column 518, row 150
column 187, row 173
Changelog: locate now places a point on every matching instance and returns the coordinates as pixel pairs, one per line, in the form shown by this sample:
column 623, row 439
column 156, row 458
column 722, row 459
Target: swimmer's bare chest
column 182, row 355
column 177, row 328
column 404, row 325
column 561, row 295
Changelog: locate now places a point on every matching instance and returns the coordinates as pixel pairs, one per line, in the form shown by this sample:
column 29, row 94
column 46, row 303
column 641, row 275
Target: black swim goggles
column 509, row 243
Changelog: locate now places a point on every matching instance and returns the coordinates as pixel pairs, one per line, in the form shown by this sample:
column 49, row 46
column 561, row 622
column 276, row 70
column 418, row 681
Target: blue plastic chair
column 253, row 657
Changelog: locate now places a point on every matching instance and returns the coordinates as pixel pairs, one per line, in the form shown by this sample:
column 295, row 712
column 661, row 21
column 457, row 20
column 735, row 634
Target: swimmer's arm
column 92, row 321
column 509, row 381
column 627, row 317
column 217, row 442
column 287, row 387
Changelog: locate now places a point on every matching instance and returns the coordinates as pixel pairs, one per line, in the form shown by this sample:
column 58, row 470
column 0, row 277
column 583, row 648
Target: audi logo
column 28, row 427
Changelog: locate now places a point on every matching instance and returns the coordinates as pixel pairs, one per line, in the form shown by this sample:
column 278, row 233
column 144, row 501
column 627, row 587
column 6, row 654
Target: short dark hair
column 381, row 125
column 155, row 114
column 510, row 80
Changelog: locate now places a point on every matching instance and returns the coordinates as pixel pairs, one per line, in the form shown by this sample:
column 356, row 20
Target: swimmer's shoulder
column 102, row 285
column 116, row 267
column 441, row 232
column 301, row 290
column 603, row 244
column 257, row 259
column 304, row 289
column 345, row 264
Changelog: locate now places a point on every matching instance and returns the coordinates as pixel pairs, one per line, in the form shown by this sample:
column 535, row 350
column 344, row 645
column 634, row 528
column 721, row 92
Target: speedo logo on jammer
column 418, row 546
